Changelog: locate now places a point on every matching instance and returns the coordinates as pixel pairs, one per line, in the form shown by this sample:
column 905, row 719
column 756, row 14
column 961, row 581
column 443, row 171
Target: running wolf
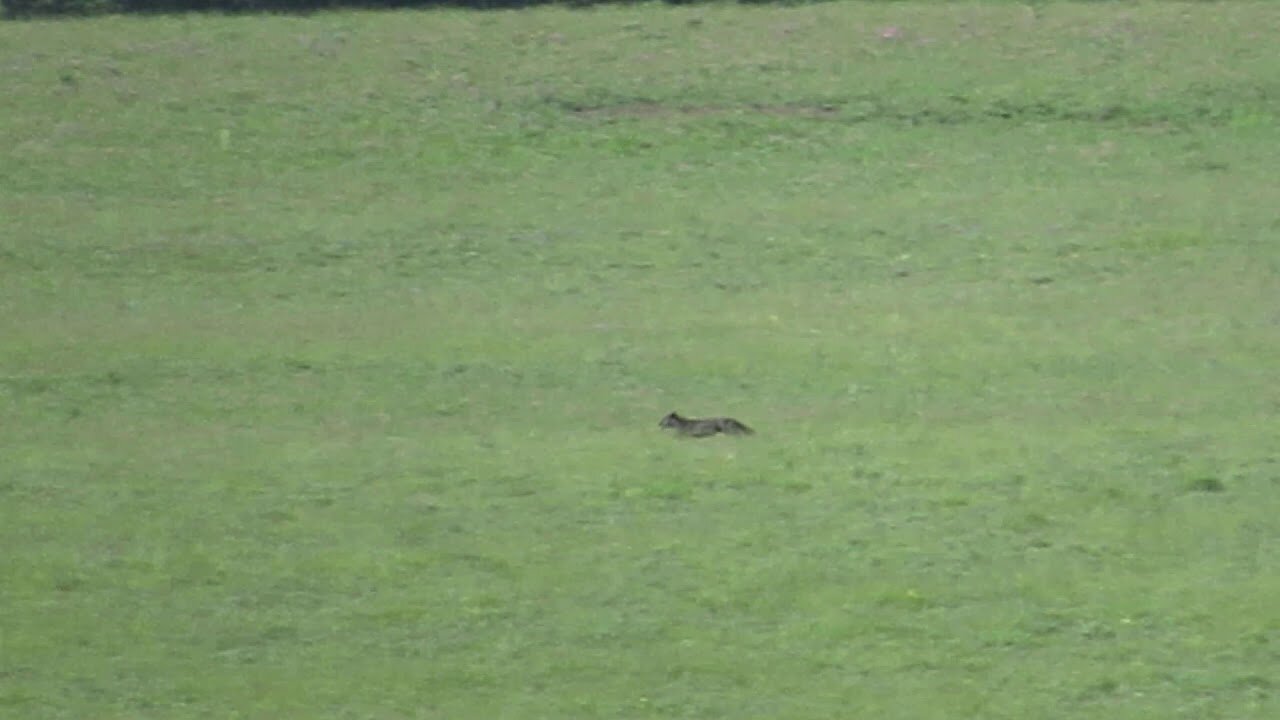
column 704, row 427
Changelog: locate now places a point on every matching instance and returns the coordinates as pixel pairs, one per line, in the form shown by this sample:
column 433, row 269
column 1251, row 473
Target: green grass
column 332, row 351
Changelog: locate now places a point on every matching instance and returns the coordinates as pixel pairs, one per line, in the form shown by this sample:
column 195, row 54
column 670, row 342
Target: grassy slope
column 333, row 351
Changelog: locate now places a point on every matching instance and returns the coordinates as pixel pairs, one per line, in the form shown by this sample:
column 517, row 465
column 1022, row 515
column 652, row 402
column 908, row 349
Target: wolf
column 704, row 427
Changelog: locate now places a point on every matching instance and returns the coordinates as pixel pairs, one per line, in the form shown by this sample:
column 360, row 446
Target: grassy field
column 332, row 351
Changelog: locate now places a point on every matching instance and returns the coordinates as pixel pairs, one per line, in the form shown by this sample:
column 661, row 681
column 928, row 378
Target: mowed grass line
column 333, row 350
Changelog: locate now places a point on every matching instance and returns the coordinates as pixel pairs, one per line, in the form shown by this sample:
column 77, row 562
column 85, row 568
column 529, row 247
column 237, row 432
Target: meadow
column 333, row 348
